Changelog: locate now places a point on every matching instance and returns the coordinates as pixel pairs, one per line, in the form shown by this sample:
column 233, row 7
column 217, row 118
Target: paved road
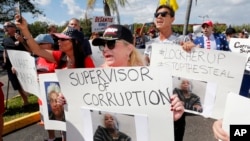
column 4, row 80
column 197, row 128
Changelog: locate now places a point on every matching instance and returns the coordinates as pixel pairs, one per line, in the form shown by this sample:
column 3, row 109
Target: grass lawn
column 15, row 110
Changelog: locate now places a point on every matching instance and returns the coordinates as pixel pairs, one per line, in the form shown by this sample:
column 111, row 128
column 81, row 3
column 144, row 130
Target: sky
column 231, row 12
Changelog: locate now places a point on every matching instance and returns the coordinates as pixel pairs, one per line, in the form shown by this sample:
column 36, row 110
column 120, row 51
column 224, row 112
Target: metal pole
column 188, row 11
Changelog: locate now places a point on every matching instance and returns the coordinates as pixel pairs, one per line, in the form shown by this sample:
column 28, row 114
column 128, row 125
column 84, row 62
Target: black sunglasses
column 6, row 26
column 163, row 14
column 110, row 44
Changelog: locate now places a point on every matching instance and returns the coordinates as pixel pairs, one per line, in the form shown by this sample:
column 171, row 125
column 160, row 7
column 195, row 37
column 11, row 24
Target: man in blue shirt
column 211, row 40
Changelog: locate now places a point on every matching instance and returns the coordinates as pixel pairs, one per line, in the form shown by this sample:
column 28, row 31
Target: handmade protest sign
column 96, row 55
column 213, row 66
column 240, row 45
column 130, row 90
column 52, row 113
column 25, row 67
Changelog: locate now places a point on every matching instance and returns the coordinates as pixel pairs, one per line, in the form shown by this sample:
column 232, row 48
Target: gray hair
column 53, row 87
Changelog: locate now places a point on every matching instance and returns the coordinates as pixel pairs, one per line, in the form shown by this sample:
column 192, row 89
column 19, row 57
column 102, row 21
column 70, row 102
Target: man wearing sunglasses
column 13, row 41
column 164, row 17
column 75, row 23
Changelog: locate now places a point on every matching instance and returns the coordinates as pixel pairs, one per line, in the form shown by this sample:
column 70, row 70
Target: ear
column 130, row 47
column 129, row 50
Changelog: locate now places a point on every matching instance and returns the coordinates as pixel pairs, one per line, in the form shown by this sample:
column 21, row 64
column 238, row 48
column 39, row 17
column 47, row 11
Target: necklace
column 70, row 63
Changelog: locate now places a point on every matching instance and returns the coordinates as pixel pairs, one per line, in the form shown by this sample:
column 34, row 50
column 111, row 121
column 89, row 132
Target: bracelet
column 27, row 38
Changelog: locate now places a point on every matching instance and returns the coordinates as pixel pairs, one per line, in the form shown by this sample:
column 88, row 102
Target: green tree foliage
column 37, row 28
column 219, row 28
column 239, row 28
column 7, row 9
column 109, row 5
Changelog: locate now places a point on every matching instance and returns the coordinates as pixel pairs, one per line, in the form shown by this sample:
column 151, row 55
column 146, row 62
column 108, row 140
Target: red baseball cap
column 209, row 23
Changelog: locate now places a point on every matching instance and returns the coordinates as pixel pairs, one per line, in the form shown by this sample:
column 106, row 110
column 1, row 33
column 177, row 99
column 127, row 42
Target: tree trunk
column 189, row 7
column 106, row 8
column 117, row 13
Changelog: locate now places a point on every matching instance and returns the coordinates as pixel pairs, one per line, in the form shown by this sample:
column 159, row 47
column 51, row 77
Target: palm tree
column 109, row 5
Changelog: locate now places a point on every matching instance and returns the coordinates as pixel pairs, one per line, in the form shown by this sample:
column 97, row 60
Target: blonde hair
column 136, row 58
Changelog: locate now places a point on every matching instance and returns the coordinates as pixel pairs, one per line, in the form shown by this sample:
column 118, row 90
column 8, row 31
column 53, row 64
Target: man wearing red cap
column 211, row 40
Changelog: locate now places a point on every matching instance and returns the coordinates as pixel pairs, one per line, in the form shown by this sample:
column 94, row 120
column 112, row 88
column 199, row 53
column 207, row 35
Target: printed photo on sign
column 52, row 113
column 55, row 111
column 108, row 126
column 194, row 93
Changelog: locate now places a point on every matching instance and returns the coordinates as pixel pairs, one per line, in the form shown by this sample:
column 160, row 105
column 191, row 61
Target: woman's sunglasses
column 163, row 14
column 110, row 44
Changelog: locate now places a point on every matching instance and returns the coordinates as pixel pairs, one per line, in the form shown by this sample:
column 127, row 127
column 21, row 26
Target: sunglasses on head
column 163, row 14
column 110, row 44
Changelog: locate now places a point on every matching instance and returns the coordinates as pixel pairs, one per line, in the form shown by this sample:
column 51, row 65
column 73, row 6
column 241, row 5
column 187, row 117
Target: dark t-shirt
column 9, row 44
column 87, row 47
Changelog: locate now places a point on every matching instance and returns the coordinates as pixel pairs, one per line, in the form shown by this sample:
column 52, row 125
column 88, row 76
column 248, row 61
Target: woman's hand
column 61, row 100
column 219, row 132
column 21, row 25
column 177, row 107
column 13, row 70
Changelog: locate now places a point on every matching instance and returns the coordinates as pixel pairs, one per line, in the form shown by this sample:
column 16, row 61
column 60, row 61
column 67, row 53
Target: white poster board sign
column 99, row 23
column 25, row 67
column 240, row 45
column 49, row 89
column 213, row 66
column 96, row 55
column 130, row 90
column 236, row 111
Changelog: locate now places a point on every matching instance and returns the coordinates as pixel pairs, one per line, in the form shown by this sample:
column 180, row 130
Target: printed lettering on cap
column 111, row 31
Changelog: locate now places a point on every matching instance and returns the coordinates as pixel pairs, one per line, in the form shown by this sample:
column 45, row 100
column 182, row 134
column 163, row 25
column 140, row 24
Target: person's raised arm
column 34, row 47
column 142, row 29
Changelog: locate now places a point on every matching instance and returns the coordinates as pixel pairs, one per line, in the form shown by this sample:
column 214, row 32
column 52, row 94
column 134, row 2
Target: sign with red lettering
column 99, row 23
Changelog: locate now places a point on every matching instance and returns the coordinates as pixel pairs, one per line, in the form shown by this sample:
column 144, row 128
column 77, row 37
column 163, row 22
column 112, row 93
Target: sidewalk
column 21, row 122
